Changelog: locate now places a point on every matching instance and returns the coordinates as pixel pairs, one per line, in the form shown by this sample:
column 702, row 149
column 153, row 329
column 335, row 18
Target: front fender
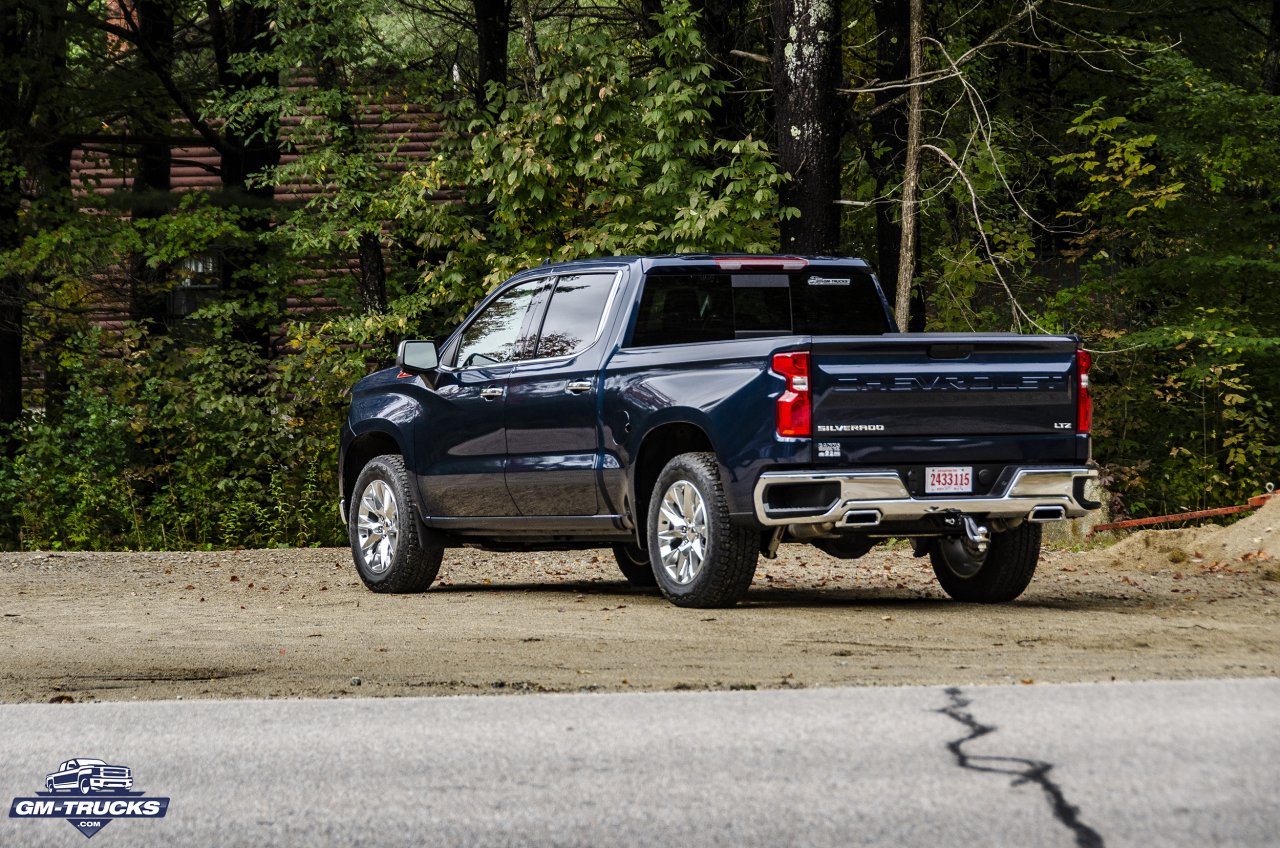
column 385, row 410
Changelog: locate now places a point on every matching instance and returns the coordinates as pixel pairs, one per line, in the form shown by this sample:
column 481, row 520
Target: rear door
column 553, row 434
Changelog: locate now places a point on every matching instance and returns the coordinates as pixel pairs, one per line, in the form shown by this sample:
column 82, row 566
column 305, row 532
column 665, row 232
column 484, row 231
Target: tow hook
column 978, row 536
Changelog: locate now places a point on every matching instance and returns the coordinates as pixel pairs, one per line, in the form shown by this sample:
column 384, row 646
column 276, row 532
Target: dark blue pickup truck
column 695, row 411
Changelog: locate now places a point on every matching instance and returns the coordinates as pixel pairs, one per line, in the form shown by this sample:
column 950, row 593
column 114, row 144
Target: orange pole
column 1254, row 503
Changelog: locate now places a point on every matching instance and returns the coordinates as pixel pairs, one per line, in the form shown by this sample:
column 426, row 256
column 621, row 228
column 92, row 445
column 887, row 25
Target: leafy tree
column 1182, row 202
column 607, row 160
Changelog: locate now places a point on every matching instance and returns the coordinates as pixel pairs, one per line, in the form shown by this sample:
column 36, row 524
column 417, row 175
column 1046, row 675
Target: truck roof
column 669, row 260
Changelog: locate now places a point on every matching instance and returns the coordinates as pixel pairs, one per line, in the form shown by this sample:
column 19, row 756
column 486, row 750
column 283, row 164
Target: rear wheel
column 633, row 562
column 700, row 559
column 387, row 540
column 996, row 576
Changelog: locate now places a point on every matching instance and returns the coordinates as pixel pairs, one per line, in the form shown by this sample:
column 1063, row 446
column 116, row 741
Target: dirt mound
column 1253, row 543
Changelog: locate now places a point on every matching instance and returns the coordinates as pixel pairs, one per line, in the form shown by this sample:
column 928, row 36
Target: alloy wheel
column 682, row 532
column 378, row 525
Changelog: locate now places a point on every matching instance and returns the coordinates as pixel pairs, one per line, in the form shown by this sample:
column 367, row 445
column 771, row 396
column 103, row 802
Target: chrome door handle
column 579, row 387
column 491, row 393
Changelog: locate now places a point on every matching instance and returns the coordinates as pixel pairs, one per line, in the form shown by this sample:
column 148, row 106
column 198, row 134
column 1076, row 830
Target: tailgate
column 941, row 385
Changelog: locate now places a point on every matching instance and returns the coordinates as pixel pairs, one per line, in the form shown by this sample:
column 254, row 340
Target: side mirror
column 417, row 355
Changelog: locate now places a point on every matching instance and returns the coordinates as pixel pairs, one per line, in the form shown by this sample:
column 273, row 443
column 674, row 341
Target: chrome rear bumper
column 869, row 498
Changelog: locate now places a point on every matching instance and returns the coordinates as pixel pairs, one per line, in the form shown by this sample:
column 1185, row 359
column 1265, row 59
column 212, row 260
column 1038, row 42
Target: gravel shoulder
column 297, row 623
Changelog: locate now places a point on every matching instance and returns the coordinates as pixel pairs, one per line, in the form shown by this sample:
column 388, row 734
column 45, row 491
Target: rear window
column 711, row 307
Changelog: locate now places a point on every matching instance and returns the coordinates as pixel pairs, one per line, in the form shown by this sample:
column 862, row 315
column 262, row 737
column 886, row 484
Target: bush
column 159, row 444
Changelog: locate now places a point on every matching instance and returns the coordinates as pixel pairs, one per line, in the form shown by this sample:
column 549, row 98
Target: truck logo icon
column 89, row 793
column 89, row 777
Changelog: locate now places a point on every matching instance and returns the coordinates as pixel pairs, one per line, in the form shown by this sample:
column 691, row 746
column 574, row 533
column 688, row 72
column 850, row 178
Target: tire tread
column 415, row 564
column 735, row 550
column 633, row 562
column 1010, row 564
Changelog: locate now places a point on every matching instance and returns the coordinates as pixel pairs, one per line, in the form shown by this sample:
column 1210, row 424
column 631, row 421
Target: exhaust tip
column 1048, row 513
column 861, row 518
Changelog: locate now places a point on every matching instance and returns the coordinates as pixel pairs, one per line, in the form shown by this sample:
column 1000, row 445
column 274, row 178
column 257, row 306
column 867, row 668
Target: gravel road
column 297, row 623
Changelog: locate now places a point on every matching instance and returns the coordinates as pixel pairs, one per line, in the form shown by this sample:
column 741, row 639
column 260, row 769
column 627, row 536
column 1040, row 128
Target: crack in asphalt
column 1022, row 770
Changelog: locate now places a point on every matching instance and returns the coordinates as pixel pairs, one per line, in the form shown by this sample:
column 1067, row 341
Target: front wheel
column 700, row 559
column 387, row 540
column 996, row 576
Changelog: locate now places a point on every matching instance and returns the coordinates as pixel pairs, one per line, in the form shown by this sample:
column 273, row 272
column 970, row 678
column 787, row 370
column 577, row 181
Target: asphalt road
column 1143, row 764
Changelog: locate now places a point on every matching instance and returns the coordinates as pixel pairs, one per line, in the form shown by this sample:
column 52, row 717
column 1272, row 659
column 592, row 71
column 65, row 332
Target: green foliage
column 1181, row 269
column 1121, row 182
column 1144, row 219
column 602, row 161
column 1203, row 397
column 340, row 82
column 158, row 446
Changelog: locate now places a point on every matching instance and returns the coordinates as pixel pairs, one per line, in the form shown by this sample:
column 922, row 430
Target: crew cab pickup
column 88, row 777
column 695, row 411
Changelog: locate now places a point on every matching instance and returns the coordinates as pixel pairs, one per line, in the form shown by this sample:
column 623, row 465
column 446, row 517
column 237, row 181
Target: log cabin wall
column 105, row 167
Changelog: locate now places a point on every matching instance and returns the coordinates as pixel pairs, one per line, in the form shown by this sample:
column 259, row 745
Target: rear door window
column 574, row 314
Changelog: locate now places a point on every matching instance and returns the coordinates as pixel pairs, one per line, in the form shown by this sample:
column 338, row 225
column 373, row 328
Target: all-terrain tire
column 996, row 577
column 729, row 553
column 408, row 563
column 633, row 562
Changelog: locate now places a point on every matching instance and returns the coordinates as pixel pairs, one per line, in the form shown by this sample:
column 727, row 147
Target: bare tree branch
column 1017, row 312
column 755, row 57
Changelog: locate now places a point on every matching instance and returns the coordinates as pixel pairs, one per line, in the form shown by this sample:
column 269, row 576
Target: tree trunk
column 343, row 113
column 649, row 9
column 889, row 134
column 13, row 130
column 888, row 130
column 246, row 27
column 531, row 41
column 1271, row 59
column 493, row 27
column 255, row 147
column 724, row 27
column 152, row 178
column 373, row 274
column 910, row 176
column 806, row 71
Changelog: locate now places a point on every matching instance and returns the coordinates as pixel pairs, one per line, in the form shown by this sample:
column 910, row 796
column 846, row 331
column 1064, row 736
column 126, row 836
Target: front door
column 462, row 436
column 553, row 433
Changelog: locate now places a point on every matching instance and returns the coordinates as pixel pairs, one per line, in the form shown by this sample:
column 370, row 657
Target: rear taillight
column 1084, row 403
column 793, row 406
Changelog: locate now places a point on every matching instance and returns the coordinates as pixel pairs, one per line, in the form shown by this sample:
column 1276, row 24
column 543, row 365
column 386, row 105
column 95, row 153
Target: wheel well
column 360, row 451
column 657, row 449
